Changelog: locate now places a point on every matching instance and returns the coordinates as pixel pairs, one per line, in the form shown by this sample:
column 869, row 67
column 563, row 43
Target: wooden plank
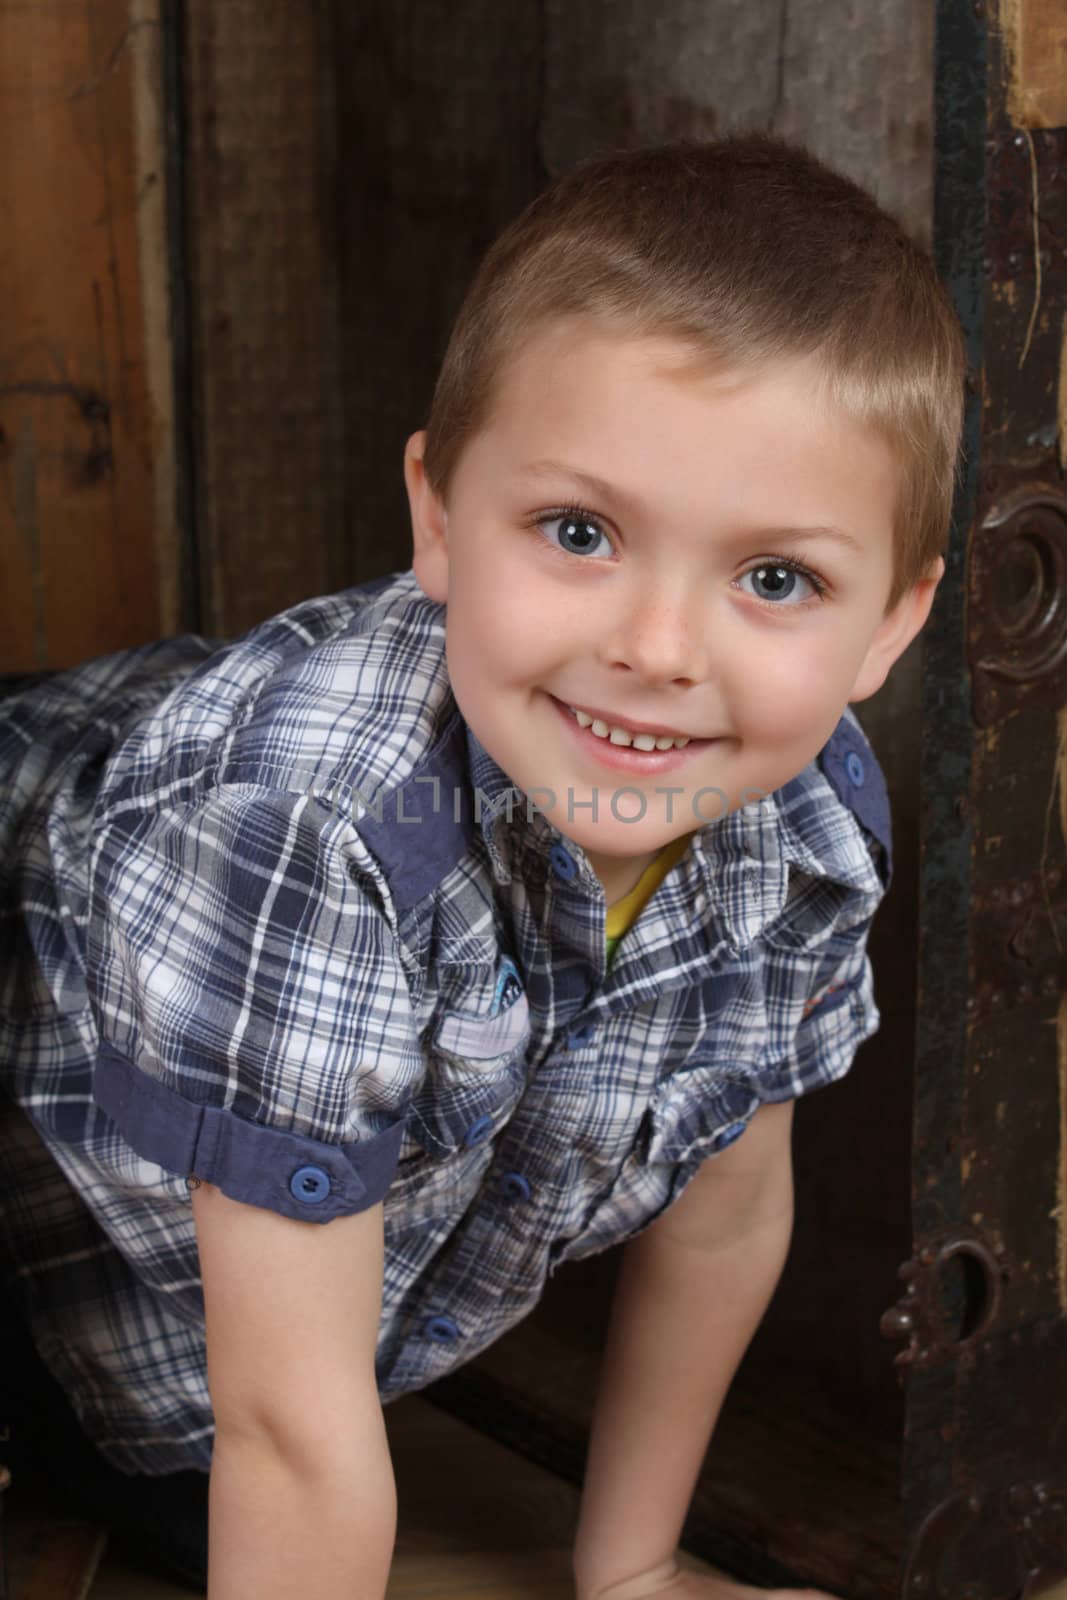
column 851, row 79
column 515, row 1575
column 1060, row 1206
column 335, row 223
column 51, row 1557
column 1035, row 36
column 439, row 129
column 175, row 604
column 520, row 1575
column 263, row 192
column 79, row 438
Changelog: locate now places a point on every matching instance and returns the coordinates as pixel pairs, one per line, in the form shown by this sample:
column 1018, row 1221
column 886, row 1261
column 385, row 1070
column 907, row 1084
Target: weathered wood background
column 87, row 540
column 342, row 168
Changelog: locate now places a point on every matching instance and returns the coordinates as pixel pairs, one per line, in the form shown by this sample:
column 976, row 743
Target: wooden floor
column 476, row 1520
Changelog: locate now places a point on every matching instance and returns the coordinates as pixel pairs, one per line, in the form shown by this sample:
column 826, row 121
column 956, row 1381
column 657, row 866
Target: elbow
column 344, row 1441
column 718, row 1211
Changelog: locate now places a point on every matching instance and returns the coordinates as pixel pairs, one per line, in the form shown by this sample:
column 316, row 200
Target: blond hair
column 751, row 251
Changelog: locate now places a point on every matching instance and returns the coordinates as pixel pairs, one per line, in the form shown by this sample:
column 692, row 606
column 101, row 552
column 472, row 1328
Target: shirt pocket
column 477, row 1043
column 475, row 1076
column 691, row 1116
column 476, row 1073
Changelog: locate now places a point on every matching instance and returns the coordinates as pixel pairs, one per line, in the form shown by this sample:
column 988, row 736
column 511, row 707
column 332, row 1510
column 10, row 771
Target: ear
column 429, row 523
column 896, row 631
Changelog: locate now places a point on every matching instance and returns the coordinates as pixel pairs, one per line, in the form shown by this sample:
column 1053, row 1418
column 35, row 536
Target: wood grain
column 53, row 1557
column 1035, row 33
column 79, row 438
column 264, row 190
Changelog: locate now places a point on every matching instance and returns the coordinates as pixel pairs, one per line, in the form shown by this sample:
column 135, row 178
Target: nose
column 660, row 633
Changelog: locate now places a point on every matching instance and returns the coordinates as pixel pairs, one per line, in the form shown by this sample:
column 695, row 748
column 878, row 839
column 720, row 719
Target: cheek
column 801, row 683
column 504, row 634
column 487, row 647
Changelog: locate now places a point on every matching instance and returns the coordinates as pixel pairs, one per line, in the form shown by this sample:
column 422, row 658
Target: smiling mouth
column 618, row 734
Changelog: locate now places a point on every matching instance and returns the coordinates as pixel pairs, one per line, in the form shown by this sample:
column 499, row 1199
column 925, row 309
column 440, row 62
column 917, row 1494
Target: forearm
column 280, row 1532
column 682, row 1318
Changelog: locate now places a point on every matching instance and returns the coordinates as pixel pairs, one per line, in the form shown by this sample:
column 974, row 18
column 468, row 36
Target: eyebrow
column 610, row 494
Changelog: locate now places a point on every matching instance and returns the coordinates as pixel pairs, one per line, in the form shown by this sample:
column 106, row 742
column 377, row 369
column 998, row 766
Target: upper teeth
column 640, row 741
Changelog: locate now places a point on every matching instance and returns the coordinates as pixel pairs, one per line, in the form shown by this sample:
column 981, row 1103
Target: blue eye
column 579, row 534
column 780, row 582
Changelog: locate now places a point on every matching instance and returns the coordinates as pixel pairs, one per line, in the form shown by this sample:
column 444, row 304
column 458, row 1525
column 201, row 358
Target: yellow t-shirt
column 625, row 912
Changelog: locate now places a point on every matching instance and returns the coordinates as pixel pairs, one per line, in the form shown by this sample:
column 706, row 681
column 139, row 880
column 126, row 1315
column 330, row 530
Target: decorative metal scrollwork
column 1003, row 1543
column 935, row 1330
column 1019, row 943
column 1018, row 585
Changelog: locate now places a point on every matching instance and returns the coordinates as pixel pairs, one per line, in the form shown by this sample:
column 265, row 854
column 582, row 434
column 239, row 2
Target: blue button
column 579, row 1036
column 514, row 1187
column 855, row 769
column 310, row 1184
column 731, row 1134
column 480, row 1129
column 442, row 1330
column 562, row 862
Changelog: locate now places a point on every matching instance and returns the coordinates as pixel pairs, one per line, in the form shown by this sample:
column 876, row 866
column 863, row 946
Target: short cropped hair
column 751, row 251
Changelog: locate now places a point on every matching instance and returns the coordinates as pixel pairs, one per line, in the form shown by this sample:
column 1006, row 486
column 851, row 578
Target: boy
column 312, row 926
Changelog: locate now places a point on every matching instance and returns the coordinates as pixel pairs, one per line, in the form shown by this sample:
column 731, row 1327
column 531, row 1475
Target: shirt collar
column 497, row 802
column 746, row 863
column 757, row 859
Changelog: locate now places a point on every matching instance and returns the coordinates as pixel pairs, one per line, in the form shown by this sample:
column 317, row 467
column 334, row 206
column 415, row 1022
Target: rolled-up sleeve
column 254, row 1016
column 824, row 1008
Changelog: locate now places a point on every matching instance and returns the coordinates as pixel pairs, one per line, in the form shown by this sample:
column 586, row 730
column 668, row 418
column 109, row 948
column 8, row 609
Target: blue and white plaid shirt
column 270, row 915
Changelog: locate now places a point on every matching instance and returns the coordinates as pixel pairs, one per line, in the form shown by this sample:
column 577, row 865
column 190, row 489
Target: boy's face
column 629, row 536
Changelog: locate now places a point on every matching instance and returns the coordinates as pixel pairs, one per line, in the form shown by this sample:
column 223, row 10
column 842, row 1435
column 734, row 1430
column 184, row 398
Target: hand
column 672, row 1582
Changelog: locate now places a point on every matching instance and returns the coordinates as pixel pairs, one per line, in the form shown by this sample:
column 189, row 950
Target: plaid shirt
column 273, row 917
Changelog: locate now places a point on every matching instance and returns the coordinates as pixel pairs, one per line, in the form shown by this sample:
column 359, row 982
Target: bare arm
column 302, row 1499
column 691, row 1292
